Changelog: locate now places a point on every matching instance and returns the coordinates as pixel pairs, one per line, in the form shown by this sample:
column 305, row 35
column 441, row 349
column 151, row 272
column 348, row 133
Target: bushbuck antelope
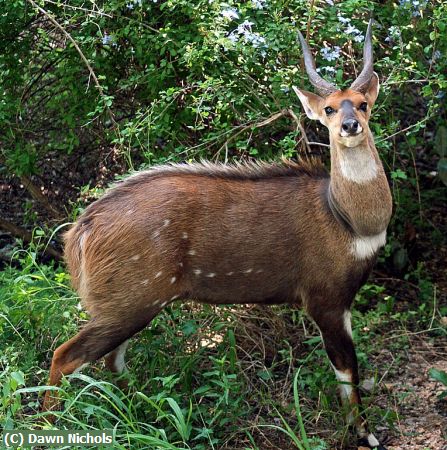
column 250, row 233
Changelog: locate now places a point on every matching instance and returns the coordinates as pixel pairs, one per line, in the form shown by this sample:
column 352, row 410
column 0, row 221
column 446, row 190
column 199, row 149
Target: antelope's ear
column 373, row 89
column 311, row 103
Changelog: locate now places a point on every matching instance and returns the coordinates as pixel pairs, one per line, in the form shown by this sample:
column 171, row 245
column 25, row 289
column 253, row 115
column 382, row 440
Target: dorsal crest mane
column 252, row 171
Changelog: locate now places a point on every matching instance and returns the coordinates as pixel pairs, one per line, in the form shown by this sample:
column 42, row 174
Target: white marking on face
column 81, row 367
column 184, row 235
column 344, row 133
column 248, row 271
column 357, row 165
column 364, row 247
column 135, row 257
column 192, row 252
column 166, row 222
column 173, row 280
column 120, row 363
column 174, row 297
column 145, row 282
column 158, row 274
column 347, row 322
column 197, row 271
column 211, row 275
column 372, row 441
column 230, row 273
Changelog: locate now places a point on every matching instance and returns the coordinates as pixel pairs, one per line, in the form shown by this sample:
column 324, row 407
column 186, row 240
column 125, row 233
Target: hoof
column 370, row 441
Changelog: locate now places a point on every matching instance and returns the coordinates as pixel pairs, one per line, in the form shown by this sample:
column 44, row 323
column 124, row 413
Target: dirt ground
column 422, row 416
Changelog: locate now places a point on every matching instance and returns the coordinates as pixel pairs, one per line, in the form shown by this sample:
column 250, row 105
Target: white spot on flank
column 156, row 302
column 158, row 274
column 259, row 271
column 173, row 280
column 81, row 367
column 135, row 257
column 372, row 441
column 366, row 246
column 192, row 252
column 184, row 235
column 197, row 271
column 248, row 271
column 211, row 275
column 174, row 297
column 357, row 165
column 166, row 222
column 145, row 282
column 180, row 264
column 164, row 304
column 120, row 363
column 347, row 322
column 230, row 273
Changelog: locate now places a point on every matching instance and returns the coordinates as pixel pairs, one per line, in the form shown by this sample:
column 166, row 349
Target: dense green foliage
column 180, row 79
column 153, row 81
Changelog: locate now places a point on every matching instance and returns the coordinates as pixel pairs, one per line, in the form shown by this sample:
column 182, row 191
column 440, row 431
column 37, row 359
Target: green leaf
column 264, row 374
column 438, row 375
column 18, row 377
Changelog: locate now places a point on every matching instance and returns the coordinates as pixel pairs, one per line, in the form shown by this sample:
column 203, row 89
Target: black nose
column 350, row 126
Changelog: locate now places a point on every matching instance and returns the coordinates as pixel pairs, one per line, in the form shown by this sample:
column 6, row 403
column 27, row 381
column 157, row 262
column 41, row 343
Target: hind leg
column 116, row 363
column 95, row 340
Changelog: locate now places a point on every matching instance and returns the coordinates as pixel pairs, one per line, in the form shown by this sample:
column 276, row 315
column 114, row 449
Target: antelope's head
column 345, row 113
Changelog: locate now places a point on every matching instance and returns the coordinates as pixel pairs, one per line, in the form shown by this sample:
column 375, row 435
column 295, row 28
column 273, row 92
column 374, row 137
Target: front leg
column 335, row 327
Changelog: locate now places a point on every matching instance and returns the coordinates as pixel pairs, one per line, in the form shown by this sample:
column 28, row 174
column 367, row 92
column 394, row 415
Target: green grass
column 200, row 377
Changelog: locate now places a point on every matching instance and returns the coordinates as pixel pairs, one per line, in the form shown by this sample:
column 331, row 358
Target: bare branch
column 21, row 233
column 81, row 54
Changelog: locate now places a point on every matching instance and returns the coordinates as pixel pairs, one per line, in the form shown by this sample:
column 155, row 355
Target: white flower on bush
column 358, row 37
column 245, row 27
column 106, row 39
column 230, row 13
column 244, row 31
column 133, row 3
column 393, row 34
column 342, row 19
column 329, row 54
column 414, row 6
column 259, row 4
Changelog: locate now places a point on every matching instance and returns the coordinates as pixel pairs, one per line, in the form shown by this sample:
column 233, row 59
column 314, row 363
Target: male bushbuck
column 250, row 233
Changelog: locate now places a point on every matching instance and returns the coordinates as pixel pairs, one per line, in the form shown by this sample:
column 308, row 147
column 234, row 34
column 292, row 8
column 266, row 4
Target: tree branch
column 21, row 233
column 81, row 54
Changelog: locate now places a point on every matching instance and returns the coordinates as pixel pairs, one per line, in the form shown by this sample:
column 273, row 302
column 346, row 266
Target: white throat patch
column 357, row 165
column 366, row 246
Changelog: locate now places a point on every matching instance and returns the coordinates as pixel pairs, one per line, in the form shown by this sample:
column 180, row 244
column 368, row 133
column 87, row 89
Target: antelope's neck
column 359, row 191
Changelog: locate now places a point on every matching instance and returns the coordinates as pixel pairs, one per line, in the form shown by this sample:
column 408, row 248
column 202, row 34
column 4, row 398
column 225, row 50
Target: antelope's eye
column 328, row 110
column 363, row 106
